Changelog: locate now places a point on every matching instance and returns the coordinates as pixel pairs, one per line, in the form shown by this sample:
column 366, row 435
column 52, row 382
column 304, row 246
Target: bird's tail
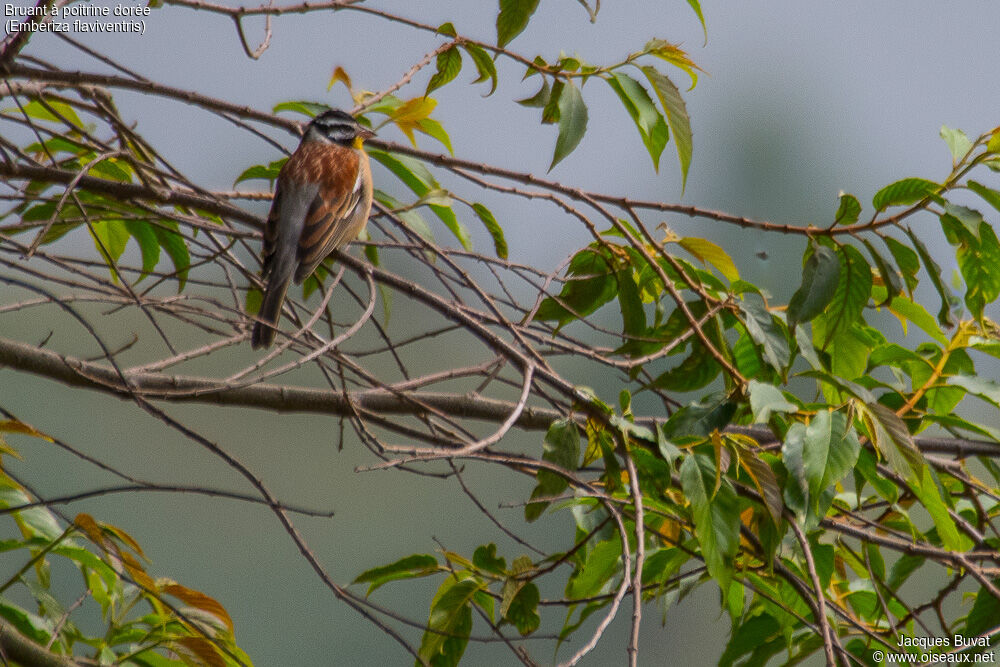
column 269, row 314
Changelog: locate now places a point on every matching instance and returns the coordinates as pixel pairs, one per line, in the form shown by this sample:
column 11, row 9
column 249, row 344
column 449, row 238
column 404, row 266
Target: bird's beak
column 365, row 133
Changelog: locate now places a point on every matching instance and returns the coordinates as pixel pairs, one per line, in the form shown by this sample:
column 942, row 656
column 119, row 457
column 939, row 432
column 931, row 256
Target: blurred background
column 800, row 100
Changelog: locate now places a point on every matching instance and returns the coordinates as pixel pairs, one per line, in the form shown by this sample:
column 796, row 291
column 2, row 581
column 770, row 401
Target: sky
column 799, row 101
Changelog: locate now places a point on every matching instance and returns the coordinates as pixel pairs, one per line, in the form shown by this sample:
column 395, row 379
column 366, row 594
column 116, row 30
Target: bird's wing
column 336, row 215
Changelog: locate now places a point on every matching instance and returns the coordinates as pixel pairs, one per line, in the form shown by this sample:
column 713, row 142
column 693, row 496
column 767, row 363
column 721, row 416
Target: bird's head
column 338, row 127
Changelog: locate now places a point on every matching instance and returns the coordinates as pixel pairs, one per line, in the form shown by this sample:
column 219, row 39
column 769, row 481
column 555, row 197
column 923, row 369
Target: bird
column 321, row 202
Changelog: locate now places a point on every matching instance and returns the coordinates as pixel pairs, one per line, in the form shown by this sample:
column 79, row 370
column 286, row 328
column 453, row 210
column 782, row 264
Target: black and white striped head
column 338, row 127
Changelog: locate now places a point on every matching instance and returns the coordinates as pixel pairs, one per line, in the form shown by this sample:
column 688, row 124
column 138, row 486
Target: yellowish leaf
column 710, row 253
column 199, row 600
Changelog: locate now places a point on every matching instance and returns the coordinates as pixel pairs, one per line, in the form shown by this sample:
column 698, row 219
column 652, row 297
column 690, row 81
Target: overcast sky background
column 800, row 100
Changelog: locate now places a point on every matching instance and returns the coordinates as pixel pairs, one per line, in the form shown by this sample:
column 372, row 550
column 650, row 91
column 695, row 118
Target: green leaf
column 633, row 313
column 417, row 565
column 176, row 249
column 572, row 122
column 958, row 143
column 268, row 172
column 310, row 109
column 603, row 561
column 590, row 285
column 905, row 192
column 985, row 388
column 912, row 311
column 485, row 558
column 848, row 211
column 755, row 632
column 906, row 259
column 419, row 179
column 934, row 271
column 513, row 19
column 540, row 99
column 447, row 29
column 930, row 497
column 766, row 332
column 696, row 371
column 110, row 238
column 449, row 64
column 561, row 447
column 652, row 128
column 494, row 228
column 890, row 277
column 980, row 267
column 985, row 612
column 850, row 296
column 820, row 279
column 677, row 115
column 434, row 129
column 893, row 441
column 716, row 517
column 992, row 197
column 449, row 623
column 696, row 6
column 484, row 65
column 51, row 111
column 523, row 609
column 830, row 451
column 766, row 399
column 143, row 234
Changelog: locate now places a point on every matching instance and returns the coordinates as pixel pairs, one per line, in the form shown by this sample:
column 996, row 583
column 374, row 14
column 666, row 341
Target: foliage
column 790, row 462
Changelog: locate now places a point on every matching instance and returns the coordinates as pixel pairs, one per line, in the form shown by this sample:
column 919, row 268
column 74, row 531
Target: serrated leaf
column 513, row 19
column 652, row 128
column 572, row 122
column 820, row 279
column 677, row 116
column 848, row 210
column 449, row 64
column 904, row 192
column 674, row 55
